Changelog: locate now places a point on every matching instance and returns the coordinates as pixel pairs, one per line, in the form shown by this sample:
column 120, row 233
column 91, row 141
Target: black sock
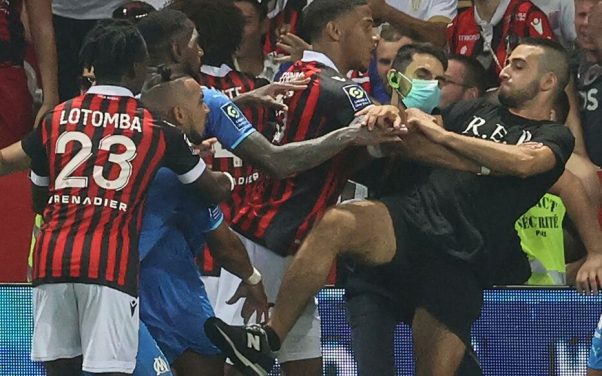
column 273, row 339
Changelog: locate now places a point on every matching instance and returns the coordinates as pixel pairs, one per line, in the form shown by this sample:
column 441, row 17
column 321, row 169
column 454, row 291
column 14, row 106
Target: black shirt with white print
column 471, row 217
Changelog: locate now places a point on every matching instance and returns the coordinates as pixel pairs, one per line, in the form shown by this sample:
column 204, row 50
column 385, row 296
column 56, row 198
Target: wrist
column 254, row 278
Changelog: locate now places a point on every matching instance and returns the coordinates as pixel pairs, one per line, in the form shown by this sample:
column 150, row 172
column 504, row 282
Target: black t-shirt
column 471, row 217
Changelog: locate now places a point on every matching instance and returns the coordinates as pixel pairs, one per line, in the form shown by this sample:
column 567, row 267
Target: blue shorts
column 150, row 360
column 595, row 352
column 174, row 305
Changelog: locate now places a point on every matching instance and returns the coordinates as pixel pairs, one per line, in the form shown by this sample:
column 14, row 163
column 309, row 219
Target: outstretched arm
column 516, row 160
column 285, row 160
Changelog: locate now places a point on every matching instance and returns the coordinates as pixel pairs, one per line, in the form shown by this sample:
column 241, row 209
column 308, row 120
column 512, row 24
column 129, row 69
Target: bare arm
column 13, row 158
column 229, row 251
column 516, row 160
column 213, row 186
column 285, row 160
column 583, row 211
column 433, row 30
column 419, row 148
column 573, row 120
column 39, row 14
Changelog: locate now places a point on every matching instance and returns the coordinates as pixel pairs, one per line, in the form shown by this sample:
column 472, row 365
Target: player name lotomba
column 100, row 119
column 96, row 201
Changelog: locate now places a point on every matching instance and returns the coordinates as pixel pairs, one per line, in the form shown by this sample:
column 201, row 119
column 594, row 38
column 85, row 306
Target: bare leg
column 363, row 229
column 192, row 364
column 438, row 351
column 593, row 372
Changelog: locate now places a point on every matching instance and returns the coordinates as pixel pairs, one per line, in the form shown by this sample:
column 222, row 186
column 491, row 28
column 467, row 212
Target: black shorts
column 446, row 287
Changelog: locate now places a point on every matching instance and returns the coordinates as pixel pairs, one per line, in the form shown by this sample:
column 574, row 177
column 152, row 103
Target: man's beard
column 518, row 98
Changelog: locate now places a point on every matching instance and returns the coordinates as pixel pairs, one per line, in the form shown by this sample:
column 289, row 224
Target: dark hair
column 112, row 47
column 406, row 53
column 219, row 24
column 320, row 12
column 133, row 11
column 260, row 6
column 555, row 59
column 562, row 107
column 475, row 74
column 161, row 28
column 389, row 33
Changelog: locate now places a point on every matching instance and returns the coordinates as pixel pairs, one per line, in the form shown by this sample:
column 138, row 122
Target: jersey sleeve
column 558, row 138
column 538, row 25
column 33, row 146
column 226, row 121
column 179, row 157
column 443, row 8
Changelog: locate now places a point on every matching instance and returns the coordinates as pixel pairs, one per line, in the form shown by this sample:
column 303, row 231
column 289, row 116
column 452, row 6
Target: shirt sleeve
column 567, row 21
column 226, row 121
column 179, row 157
column 558, row 138
column 33, row 146
column 443, row 8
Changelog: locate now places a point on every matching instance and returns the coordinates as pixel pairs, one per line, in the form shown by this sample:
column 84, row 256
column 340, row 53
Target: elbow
column 526, row 167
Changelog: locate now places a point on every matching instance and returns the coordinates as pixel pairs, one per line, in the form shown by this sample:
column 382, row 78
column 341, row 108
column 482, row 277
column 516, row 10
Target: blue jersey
column 226, row 121
column 173, row 302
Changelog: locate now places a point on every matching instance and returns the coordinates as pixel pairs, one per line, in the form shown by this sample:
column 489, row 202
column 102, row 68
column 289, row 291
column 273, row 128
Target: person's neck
column 334, row 54
column 252, row 62
column 486, row 8
column 533, row 111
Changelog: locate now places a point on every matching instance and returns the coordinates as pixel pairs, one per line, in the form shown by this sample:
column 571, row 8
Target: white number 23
column 64, row 178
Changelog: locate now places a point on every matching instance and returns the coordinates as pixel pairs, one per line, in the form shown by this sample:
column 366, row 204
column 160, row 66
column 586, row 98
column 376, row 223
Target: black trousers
column 70, row 34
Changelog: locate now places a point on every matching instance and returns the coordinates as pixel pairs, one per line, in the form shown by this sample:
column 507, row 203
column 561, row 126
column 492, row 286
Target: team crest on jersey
column 357, row 97
column 160, row 366
column 234, row 114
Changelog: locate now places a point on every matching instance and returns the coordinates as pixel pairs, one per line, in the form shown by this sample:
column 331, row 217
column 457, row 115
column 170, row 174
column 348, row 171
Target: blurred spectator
column 16, row 109
column 490, row 29
column 391, row 40
column 589, row 79
column 285, row 16
column 17, row 118
column 250, row 57
column 133, row 10
column 464, row 80
column 427, row 18
column 561, row 14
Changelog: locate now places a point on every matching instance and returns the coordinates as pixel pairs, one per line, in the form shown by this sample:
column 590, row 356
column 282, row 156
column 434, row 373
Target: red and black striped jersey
column 233, row 83
column 290, row 16
column 97, row 154
column 280, row 212
column 12, row 39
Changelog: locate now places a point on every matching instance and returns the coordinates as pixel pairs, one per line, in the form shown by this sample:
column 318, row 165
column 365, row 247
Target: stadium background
column 522, row 332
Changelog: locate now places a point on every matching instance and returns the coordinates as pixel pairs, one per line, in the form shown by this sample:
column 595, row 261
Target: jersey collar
column 220, row 71
column 319, row 57
column 110, row 90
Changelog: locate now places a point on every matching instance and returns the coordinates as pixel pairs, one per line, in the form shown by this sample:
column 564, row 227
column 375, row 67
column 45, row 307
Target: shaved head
column 164, row 96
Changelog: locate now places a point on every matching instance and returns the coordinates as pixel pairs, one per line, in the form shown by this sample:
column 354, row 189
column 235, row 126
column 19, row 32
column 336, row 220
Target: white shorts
column 303, row 341
column 98, row 322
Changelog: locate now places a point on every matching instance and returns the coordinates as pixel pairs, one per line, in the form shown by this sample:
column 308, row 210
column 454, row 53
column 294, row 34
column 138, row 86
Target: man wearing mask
column 373, row 306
